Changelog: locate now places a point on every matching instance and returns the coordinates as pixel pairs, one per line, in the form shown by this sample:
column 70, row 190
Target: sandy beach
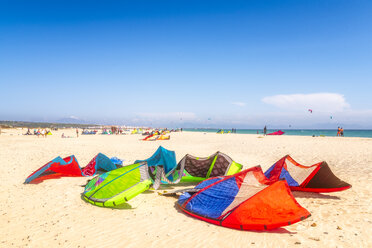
column 52, row 213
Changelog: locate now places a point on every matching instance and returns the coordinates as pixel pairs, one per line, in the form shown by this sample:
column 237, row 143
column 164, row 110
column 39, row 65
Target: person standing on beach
column 77, row 133
column 338, row 131
column 265, row 130
column 341, row 132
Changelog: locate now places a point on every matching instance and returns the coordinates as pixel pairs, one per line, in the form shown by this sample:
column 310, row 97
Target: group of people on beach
column 43, row 132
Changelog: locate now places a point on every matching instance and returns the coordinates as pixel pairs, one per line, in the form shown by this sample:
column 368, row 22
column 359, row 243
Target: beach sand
column 52, row 213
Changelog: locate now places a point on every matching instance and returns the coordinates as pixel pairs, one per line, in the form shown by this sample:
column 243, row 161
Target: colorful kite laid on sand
column 243, row 201
column 196, row 169
column 280, row 132
column 69, row 167
column 120, row 185
column 229, row 197
column 315, row 178
column 116, row 187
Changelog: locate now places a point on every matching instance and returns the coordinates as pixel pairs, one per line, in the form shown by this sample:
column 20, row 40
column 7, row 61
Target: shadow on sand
column 120, row 207
column 299, row 194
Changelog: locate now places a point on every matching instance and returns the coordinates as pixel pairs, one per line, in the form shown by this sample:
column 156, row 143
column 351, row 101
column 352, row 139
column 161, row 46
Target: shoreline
column 286, row 135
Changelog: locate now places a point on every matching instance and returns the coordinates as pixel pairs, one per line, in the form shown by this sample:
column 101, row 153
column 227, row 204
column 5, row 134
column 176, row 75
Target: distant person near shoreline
column 340, row 132
column 265, row 130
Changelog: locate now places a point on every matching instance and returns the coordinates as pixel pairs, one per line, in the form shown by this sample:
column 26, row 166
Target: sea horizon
column 357, row 133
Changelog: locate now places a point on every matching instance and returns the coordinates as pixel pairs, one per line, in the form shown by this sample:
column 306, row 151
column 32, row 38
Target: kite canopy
column 154, row 137
column 162, row 157
column 161, row 167
column 149, row 137
column 99, row 162
column 243, row 201
column 119, row 186
column 221, row 131
column 314, row 178
column 116, row 187
column 86, row 132
column 164, row 137
column 69, row 167
column 56, row 168
column 197, row 169
column 280, row 132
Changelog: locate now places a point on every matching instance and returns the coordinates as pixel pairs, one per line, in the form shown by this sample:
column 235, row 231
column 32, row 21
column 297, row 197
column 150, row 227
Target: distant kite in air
column 331, row 117
column 310, row 110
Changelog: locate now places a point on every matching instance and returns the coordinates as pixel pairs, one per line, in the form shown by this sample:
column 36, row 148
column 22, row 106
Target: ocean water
column 298, row 132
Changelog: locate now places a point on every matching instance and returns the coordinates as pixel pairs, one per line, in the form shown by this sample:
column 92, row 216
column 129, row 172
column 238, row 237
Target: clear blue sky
column 188, row 63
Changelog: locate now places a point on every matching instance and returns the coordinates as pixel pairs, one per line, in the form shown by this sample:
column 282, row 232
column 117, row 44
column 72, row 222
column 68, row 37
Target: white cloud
column 318, row 102
column 240, row 104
